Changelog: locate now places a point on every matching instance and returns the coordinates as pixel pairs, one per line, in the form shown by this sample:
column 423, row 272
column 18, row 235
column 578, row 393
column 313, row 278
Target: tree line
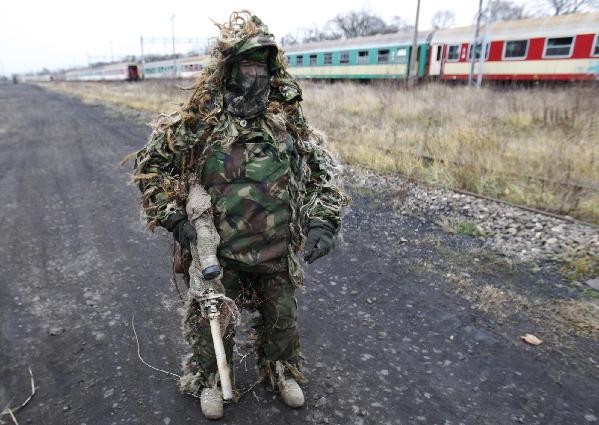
column 364, row 23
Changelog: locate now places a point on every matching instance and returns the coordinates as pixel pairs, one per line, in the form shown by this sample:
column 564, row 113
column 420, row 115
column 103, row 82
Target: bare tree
column 310, row 34
column 348, row 25
column 330, row 32
column 357, row 24
column 443, row 19
column 505, row 10
column 288, row 40
column 565, row 7
column 399, row 24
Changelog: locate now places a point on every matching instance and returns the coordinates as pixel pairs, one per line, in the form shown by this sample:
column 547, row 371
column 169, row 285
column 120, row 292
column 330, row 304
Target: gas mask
column 248, row 86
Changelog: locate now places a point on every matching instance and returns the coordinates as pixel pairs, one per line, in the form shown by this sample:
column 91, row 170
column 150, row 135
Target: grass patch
column 466, row 228
column 566, row 316
column 580, row 264
column 580, row 317
column 590, row 293
column 527, row 146
column 460, row 227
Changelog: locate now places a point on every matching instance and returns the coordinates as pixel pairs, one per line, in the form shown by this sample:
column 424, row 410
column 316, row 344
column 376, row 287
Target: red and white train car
column 555, row 48
column 112, row 72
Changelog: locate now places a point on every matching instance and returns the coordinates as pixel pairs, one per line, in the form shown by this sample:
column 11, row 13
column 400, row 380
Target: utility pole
column 412, row 72
column 143, row 58
column 173, row 38
column 483, row 48
column 473, row 46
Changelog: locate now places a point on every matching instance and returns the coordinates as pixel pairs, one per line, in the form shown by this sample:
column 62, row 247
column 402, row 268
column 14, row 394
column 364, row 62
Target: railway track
column 576, row 187
column 526, row 208
column 573, row 185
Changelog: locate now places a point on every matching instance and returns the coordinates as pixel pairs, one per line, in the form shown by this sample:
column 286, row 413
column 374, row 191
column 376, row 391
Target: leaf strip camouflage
column 177, row 150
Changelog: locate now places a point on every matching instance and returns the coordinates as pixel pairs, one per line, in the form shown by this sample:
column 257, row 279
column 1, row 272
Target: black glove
column 319, row 240
column 183, row 231
column 173, row 219
column 185, row 234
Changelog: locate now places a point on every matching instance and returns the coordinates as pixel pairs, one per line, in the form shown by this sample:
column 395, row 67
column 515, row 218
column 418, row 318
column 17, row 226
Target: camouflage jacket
column 247, row 181
column 266, row 185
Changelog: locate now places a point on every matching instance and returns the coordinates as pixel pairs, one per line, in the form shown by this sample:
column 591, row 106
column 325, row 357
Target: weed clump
column 580, row 263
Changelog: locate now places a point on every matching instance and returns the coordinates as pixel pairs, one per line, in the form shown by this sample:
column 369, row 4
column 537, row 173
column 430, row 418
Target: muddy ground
column 390, row 332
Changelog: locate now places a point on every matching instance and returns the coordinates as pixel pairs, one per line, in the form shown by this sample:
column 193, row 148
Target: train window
column 401, row 55
column 344, row 57
column 363, row 57
column 383, row 56
column 328, row 58
column 477, row 50
column 312, row 60
column 596, row 49
column 453, row 53
column 439, row 50
column 299, row 61
column 558, row 47
column 515, row 49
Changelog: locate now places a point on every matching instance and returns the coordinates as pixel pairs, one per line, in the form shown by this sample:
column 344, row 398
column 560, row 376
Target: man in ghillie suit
column 243, row 137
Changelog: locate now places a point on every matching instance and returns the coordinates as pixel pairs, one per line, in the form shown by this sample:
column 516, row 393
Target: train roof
column 548, row 26
column 379, row 40
column 118, row 65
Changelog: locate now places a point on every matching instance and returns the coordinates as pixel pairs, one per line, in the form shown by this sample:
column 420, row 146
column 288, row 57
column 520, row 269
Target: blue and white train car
column 373, row 57
column 185, row 67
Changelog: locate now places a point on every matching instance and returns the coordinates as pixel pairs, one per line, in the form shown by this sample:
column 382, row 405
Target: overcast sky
column 66, row 33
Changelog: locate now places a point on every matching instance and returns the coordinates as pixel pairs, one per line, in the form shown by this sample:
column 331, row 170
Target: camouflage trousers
column 277, row 335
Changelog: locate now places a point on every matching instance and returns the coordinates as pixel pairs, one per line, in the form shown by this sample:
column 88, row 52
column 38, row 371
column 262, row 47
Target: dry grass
column 154, row 96
column 493, row 142
column 580, row 317
column 511, row 144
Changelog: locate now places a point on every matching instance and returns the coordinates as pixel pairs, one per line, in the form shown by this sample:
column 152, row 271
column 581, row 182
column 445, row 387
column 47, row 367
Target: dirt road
column 388, row 336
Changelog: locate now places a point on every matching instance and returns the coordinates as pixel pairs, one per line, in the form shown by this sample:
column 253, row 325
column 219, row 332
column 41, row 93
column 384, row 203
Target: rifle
column 205, row 285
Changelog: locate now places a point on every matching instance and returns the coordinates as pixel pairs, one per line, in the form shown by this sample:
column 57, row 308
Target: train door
column 436, row 59
column 132, row 73
column 416, row 61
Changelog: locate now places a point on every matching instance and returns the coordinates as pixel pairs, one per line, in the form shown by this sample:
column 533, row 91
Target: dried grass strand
column 11, row 411
column 139, row 352
column 166, row 371
column 12, row 416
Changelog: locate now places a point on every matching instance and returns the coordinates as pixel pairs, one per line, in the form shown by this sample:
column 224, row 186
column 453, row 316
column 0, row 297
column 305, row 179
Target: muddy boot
column 212, row 403
column 291, row 393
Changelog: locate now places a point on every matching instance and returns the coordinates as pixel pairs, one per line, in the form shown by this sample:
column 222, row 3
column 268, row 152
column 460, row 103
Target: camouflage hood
column 243, row 34
column 246, row 47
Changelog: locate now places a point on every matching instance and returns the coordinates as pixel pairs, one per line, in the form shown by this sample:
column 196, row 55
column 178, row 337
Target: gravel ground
column 403, row 323
column 511, row 231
